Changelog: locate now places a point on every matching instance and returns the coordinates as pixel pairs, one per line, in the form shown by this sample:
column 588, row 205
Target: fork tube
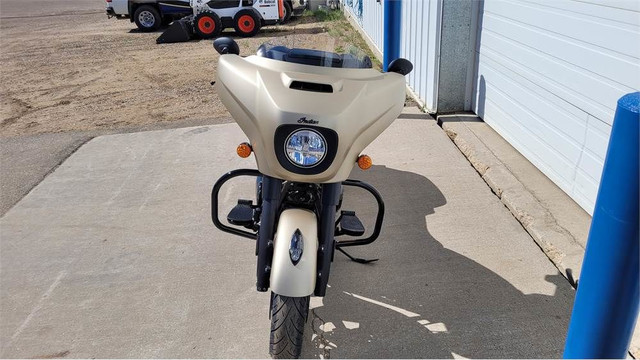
column 330, row 198
column 271, row 189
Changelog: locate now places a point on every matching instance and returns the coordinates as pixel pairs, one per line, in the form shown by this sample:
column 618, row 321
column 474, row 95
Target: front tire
column 147, row 18
column 288, row 318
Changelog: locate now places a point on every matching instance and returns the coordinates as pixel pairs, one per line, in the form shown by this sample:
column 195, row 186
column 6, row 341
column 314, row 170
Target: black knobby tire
column 147, row 18
column 207, row 25
column 246, row 23
column 288, row 11
column 288, row 318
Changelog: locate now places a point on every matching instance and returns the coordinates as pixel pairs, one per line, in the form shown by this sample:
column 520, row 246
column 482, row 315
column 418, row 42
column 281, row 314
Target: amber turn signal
column 364, row 162
column 244, row 150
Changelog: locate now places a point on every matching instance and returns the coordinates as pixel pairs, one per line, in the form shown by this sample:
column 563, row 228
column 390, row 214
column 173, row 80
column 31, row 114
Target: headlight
column 305, row 148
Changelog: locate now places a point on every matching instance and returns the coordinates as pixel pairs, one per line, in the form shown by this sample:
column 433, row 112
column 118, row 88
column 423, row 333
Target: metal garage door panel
column 568, row 51
column 619, row 12
column 583, row 28
column 555, row 117
column 548, row 78
column 593, row 93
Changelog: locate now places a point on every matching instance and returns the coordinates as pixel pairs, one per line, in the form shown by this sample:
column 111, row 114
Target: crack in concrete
column 531, row 223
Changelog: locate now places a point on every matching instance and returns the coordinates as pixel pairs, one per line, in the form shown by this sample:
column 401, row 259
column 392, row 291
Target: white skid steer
column 210, row 17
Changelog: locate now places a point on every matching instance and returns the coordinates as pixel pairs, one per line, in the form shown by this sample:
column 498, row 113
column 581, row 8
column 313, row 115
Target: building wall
column 545, row 75
column 368, row 14
column 456, row 53
column 548, row 77
column 419, row 43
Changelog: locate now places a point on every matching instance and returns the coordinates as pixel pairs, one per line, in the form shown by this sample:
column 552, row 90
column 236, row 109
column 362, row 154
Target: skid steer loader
column 210, row 17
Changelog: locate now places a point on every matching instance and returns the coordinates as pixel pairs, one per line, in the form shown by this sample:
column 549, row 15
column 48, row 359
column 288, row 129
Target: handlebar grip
column 225, row 45
column 400, row 66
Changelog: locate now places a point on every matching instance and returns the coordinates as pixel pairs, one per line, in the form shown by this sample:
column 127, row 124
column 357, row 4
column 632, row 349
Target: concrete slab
column 26, row 160
column 414, row 112
column 542, row 219
column 556, row 222
column 114, row 255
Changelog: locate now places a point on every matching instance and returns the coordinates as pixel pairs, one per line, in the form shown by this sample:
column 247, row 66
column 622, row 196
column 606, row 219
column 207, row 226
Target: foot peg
column 349, row 224
column 242, row 214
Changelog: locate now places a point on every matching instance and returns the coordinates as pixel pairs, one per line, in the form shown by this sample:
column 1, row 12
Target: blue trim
column 168, row 9
column 606, row 305
column 391, row 32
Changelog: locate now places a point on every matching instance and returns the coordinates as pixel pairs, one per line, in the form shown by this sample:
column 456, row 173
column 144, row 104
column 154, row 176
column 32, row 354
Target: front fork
column 271, row 195
column 326, row 234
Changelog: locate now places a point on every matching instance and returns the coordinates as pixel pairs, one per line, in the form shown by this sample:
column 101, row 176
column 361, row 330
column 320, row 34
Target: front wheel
column 288, row 318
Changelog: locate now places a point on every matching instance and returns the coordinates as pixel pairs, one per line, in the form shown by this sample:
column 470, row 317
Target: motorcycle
column 308, row 115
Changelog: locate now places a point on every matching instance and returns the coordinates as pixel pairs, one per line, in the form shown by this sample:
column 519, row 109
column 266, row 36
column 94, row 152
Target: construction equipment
column 210, row 17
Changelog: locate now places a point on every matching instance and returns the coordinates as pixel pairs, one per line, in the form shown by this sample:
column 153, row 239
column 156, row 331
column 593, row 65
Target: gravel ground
column 66, row 67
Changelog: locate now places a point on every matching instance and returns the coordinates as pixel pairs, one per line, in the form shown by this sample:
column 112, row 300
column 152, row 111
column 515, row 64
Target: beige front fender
column 288, row 279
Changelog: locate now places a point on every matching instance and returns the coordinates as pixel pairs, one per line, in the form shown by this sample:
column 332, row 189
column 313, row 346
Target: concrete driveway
column 114, row 255
column 26, row 160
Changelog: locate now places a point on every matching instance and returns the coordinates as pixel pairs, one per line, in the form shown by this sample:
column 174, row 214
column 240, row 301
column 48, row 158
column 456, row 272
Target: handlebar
column 226, row 45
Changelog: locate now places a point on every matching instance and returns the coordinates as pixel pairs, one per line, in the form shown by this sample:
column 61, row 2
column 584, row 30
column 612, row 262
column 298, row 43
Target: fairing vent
column 309, row 86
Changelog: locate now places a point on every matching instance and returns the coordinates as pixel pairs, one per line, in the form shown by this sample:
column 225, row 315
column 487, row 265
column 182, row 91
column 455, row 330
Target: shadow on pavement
column 422, row 300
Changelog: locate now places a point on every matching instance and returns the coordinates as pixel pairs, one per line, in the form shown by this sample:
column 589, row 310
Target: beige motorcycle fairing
column 255, row 90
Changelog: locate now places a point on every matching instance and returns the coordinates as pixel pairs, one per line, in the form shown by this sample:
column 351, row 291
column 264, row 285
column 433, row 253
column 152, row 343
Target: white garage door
column 549, row 74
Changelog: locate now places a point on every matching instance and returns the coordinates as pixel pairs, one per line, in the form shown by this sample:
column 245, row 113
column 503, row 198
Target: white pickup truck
column 149, row 15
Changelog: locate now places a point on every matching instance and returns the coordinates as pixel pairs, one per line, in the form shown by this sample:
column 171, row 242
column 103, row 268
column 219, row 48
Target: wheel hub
column 146, row 19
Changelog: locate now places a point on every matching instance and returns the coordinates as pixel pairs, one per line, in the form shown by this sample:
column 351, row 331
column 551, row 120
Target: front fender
column 288, row 279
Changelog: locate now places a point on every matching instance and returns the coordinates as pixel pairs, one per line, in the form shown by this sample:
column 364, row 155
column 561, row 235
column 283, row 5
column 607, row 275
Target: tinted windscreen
column 353, row 58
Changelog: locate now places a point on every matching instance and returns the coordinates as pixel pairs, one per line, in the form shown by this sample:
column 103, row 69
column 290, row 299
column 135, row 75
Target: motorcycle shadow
column 422, row 300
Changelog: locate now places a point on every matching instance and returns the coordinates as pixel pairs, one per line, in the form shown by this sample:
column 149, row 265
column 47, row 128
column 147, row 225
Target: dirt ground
column 64, row 66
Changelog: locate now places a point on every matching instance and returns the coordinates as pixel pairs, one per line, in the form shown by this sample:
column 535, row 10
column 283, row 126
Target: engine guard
column 323, row 239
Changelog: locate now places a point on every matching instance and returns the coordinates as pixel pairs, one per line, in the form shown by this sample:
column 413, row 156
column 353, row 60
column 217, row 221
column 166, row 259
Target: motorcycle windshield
column 324, row 54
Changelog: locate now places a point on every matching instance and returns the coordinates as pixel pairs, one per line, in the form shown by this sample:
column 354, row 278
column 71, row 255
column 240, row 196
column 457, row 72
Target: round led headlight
column 305, row 148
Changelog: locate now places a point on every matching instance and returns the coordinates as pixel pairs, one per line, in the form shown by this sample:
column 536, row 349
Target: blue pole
column 392, row 31
column 606, row 304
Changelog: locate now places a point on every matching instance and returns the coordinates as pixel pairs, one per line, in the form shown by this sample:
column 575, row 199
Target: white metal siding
column 368, row 13
column 549, row 74
column 420, row 44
